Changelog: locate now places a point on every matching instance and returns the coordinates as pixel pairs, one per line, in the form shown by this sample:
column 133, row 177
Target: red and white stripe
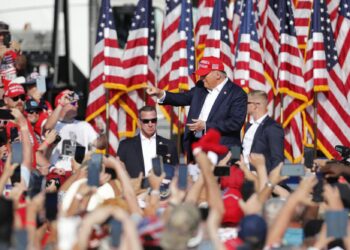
column 205, row 12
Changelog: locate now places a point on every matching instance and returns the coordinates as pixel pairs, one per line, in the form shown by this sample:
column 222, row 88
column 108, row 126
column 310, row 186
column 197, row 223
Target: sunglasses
column 16, row 98
column 146, row 121
column 74, row 103
column 33, row 112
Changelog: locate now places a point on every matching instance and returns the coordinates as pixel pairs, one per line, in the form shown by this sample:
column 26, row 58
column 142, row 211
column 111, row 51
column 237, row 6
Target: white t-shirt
column 72, row 134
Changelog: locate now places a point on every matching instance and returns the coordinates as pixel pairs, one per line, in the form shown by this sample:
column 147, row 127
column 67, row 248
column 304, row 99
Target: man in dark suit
column 263, row 134
column 215, row 102
column 137, row 152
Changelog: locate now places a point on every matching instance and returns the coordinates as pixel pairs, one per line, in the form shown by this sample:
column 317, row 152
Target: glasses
column 16, row 98
column 33, row 112
column 146, row 121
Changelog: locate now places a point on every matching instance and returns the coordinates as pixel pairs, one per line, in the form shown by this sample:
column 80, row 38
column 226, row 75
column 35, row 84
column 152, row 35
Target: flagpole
column 281, row 116
column 315, row 125
column 107, row 119
column 178, row 139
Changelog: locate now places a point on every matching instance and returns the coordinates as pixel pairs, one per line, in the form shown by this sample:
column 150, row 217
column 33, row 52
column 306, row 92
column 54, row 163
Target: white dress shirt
column 210, row 100
column 249, row 137
column 149, row 151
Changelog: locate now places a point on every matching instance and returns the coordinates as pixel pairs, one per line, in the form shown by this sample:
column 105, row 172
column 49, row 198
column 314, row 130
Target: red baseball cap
column 208, row 64
column 13, row 90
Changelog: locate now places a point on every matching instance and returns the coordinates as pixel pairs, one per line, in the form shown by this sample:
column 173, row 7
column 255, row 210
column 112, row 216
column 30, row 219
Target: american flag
column 342, row 37
column 178, row 60
column 236, row 22
column 249, row 69
column 302, row 14
column 205, row 12
column 138, row 64
column 333, row 108
column 284, row 71
column 105, row 70
column 219, row 41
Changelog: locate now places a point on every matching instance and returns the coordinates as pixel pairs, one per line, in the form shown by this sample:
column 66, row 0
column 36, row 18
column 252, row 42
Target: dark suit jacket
column 227, row 114
column 130, row 152
column 269, row 141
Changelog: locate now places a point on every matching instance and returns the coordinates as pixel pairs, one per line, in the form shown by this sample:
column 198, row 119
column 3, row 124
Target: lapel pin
column 225, row 92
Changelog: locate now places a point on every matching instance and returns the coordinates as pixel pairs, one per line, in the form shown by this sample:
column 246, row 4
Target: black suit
column 130, row 152
column 227, row 114
column 269, row 141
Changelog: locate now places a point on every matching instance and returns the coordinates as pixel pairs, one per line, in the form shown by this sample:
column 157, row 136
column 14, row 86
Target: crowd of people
column 60, row 190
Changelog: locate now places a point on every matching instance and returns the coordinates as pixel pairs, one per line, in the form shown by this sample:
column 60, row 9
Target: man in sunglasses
column 15, row 96
column 63, row 120
column 137, row 152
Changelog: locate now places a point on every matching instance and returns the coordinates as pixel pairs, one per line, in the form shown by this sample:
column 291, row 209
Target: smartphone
column 41, row 84
column 94, row 168
column 235, row 154
column 336, row 222
column 5, row 114
column 13, row 134
column 3, row 137
column 21, row 239
column 222, row 171
column 309, row 154
column 293, row 170
column 36, row 183
column 7, row 40
column 79, row 154
column 112, row 172
column 116, row 232
column 6, row 219
column 145, row 183
column 157, row 163
column 182, row 179
column 17, row 155
column 51, row 206
column 204, row 212
column 318, row 188
column 16, row 177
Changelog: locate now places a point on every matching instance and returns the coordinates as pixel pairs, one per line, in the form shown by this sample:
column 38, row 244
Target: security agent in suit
column 137, row 152
column 263, row 134
column 215, row 102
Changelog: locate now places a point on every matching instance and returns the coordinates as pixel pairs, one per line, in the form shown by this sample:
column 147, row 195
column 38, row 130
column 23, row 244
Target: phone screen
column 5, row 114
column 41, row 84
column 79, row 154
column 235, row 154
column 94, row 167
column 51, row 206
column 157, row 164
column 336, row 222
column 293, row 170
column 182, row 180
column 13, row 134
column 116, row 231
column 145, row 183
column 17, row 155
column 318, row 188
column 3, row 137
column 222, row 171
column 6, row 218
column 309, row 154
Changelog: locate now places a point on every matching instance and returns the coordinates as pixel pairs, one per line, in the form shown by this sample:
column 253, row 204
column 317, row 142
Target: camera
column 344, row 152
column 57, row 140
column 4, row 30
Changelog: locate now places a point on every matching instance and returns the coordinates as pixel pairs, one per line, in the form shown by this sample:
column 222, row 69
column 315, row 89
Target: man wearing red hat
column 215, row 102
